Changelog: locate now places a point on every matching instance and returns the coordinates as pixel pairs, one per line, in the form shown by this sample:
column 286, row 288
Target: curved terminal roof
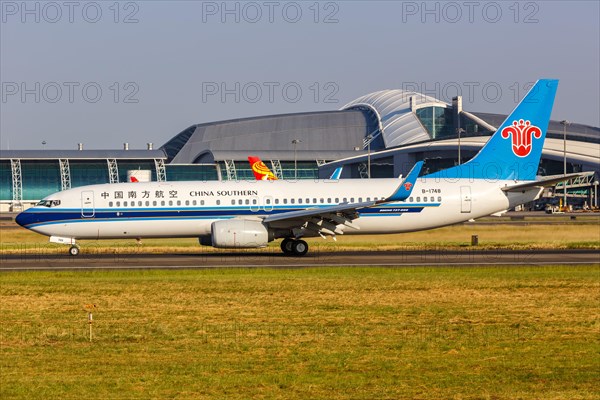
column 324, row 135
column 395, row 110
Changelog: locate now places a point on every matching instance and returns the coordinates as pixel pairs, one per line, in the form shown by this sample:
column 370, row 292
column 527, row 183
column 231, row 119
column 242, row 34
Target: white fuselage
column 187, row 209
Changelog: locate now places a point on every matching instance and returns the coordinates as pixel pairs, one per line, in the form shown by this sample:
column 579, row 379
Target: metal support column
column 65, row 174
column 17, row 184
column 113, row 170
column 230, row 169
column 276, row 164
column 161, row 170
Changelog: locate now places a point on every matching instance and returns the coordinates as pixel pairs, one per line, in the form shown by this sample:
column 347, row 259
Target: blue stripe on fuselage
column 35, row 218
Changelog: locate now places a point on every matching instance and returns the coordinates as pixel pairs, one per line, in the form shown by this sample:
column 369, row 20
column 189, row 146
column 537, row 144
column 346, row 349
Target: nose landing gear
column 74, row 251
column 293, row 247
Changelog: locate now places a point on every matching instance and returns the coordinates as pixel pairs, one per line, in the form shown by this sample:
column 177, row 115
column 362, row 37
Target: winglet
column 337, row 173
column 405, row 188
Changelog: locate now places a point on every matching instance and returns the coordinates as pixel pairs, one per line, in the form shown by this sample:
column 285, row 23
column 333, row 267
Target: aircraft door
column 87, row 204
column 465, row 199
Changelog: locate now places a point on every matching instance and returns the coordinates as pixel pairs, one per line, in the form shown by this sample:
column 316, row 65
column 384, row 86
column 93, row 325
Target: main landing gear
column 293, row 247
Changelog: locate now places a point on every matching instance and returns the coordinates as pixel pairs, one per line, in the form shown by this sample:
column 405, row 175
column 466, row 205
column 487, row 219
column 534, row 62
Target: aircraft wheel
column 299, row 247
column 74, row 251
column 286, row 246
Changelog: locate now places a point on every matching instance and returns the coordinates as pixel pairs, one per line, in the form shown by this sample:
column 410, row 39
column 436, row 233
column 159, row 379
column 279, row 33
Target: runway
column 272, row 258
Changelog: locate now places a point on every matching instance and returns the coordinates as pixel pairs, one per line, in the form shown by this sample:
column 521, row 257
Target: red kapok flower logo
column 522, row 133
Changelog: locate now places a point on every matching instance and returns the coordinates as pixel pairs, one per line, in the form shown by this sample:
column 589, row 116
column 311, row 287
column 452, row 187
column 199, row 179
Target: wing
column 326, row 220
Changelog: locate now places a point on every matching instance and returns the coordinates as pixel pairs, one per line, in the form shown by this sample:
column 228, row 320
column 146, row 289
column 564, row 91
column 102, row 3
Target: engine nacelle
column 239, row 233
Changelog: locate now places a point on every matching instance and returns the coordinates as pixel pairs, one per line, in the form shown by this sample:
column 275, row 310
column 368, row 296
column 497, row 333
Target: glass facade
column 190, row 173
column 472, row 128
column 437, row 120
column 306, row 170
column 40, row 179
column 5, row 181
column 88, row 173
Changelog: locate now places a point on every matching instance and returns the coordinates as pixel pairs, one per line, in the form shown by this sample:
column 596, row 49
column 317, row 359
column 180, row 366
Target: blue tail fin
column 514, row 151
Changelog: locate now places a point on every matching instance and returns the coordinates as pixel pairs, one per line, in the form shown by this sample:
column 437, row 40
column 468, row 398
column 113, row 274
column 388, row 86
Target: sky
column 106, row 72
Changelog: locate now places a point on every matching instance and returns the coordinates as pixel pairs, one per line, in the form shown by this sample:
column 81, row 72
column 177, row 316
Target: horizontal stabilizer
column 546, row 182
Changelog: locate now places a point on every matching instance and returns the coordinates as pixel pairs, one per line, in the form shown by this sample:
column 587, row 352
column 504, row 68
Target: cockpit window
column 49, row 203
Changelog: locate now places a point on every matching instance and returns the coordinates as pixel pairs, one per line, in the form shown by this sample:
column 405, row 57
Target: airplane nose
column 23, row 218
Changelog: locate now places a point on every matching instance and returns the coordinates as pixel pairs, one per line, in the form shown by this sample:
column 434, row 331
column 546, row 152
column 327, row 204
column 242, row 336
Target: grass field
column 328, row 333
column 534, row 235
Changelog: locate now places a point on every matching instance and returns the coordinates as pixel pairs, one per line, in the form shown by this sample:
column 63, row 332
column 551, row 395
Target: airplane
column 263, row 173
column 250, row 214
column 260, row 170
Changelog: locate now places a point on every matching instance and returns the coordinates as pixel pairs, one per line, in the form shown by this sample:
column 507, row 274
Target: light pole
column 564, row 123
column 295, row 143
column 369, row 138
column 459, row 131
column 596, row 193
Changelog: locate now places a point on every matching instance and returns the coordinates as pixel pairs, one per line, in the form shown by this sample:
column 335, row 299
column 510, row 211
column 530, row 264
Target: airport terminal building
column 381, row 134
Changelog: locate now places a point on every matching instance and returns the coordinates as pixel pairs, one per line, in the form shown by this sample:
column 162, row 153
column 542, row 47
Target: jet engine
column 239, row 233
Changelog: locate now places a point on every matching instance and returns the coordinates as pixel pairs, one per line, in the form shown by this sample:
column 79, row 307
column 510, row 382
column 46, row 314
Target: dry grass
column 410, row 333
column 500, row 236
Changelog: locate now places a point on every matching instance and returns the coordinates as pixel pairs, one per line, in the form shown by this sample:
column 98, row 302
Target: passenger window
column 247, row 201
column 194, row 202
column 124, row 204
column 240, row 202
column 360, row 199
column 154, row 203
column 329, row 199
column 201, row 202
column 439, row 199
column 299, row 201
column 368, row 199
column 292, row 201
column 276, row 201
column 218, row 202
column 321, row 200
column 351, row 199
column 411, row 199
column 432, row 199
column 170, row 202
column 187, row 202
column 233, row 202
column 425, row 199
column 118, row 204
column 337, row 199
column 253, row 201
column 178, row 202
column 110, row 203
column 284, row 201
column 418, row 199
column 139, row 203
column 147, row 203
column 268, row 201
column 162, row 203
column 314, row 201
column 345, row 200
